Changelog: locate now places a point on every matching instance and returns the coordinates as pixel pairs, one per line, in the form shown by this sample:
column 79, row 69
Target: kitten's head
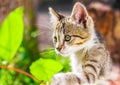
column 71, row 33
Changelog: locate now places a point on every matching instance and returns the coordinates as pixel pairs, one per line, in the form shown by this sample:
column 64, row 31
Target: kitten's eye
column 67, row 38
column 55, row 39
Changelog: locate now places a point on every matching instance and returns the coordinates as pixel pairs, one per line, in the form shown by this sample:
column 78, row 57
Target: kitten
column 76, row 37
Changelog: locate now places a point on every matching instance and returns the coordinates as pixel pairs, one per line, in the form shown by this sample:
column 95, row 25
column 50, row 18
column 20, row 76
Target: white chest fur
column 77, row 62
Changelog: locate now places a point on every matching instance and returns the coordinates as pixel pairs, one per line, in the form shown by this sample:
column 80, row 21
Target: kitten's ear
column 54, row 16
column 79, row 13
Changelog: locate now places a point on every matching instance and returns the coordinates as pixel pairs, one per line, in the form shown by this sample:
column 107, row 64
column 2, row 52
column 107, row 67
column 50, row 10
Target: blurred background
column 37, row 39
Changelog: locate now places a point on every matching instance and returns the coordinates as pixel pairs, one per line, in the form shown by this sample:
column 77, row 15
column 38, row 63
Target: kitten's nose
column 59, row 48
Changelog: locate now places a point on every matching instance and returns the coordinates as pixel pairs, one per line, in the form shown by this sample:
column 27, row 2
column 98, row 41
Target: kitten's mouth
column 63, row 53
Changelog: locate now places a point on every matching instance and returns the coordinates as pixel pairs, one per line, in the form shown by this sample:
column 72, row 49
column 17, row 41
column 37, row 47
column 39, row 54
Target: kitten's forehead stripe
column 63, row 31
column 63, row 25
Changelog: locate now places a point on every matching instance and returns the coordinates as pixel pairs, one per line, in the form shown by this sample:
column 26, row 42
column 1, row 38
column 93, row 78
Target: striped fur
column 89, row 58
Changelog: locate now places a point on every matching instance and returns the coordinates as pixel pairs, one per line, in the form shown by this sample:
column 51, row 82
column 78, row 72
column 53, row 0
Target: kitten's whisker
column 47, row 50
column 45, row 26
column 57, row 54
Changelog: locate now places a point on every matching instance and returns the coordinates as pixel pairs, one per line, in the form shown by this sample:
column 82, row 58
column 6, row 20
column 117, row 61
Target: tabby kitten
column 75, row 37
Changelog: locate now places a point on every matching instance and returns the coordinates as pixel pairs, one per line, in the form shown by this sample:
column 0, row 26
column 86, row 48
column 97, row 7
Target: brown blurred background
column 106, row 15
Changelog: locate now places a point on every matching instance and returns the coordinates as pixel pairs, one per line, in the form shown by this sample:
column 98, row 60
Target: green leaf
column 11, row 34
column 44, row 69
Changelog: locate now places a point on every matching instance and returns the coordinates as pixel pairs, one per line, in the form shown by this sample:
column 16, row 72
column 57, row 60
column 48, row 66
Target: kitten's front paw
column 65, row 79
column 58, row 79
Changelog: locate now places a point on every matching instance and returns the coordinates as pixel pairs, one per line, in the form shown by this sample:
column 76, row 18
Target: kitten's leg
column 90, row 75
column 91, row 71
column 67, row 79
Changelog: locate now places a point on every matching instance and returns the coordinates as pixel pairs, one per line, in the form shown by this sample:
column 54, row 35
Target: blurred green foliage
column 20, row 53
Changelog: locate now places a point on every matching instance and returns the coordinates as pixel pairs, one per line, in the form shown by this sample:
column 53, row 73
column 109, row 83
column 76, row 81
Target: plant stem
column 22, row 72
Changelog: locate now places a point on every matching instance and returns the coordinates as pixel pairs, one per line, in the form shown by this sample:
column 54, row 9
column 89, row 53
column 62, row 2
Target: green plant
column 19, row 56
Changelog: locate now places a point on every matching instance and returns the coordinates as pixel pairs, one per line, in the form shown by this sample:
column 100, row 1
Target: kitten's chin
column 65, row 55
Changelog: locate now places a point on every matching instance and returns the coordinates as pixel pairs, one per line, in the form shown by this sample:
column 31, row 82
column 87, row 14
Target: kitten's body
column 75, row 36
